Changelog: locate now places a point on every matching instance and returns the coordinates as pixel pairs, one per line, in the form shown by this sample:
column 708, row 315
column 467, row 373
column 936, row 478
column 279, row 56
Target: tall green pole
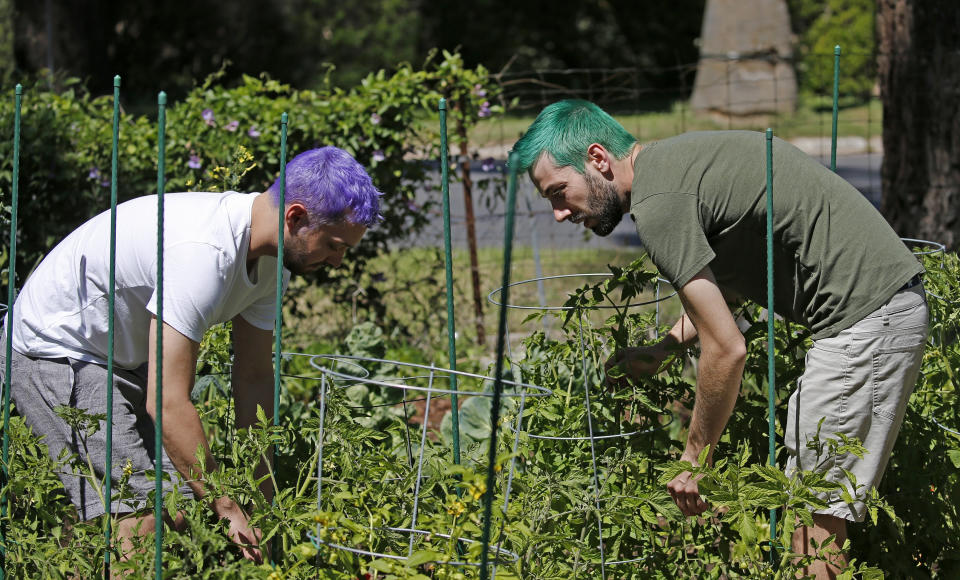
column 498, row 382
column 278, row 312
column 158, row 434
column 836, row 107
column 111, row 301
column 278, row 315
column 11, row 297
column 448, row 252
column 771, row 347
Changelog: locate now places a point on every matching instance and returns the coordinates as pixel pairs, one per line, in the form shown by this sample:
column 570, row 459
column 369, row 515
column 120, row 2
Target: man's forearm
column 249, row 393
column 182, row 436
column 718, row 384
column 681, row 334
column 253, row 390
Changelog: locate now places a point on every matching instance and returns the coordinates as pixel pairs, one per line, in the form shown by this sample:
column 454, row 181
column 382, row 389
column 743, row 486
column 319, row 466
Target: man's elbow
column 172, row 405
column 731, row 352
column 152, row 408
column 737, row 351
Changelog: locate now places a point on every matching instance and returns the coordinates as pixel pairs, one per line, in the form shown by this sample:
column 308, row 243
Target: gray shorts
column 860, row 381
column 39, row 385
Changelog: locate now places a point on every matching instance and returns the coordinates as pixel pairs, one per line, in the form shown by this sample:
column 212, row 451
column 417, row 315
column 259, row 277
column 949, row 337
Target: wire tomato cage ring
column 337, row 378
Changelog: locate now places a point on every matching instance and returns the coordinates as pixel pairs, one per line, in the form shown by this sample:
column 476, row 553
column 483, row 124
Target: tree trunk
column 919, row 66
column 745, row 65
column 471, row 230
column 7, row 62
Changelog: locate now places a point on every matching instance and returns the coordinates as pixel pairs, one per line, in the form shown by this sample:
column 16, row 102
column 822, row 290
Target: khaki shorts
column 859, row 381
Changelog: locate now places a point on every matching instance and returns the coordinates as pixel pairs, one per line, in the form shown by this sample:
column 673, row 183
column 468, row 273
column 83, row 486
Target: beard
column 294, row 257
column 604, row 205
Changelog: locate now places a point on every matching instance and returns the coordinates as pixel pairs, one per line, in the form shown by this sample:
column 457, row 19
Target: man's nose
column 561, row 214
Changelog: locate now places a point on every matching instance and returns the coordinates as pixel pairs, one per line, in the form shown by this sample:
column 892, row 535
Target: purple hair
column 332, row 186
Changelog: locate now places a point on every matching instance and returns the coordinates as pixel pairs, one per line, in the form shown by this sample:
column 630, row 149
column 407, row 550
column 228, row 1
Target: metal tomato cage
column 423, row 383
column 496, row 297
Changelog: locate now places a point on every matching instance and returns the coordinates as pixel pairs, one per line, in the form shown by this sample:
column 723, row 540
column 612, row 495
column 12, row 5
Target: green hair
column 565, row 129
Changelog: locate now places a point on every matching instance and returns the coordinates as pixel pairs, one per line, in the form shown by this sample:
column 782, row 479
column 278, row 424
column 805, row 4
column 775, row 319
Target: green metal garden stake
column 158, row 419
column 11, row 296
column 278, row 313
column 278, row 322
column 498, row 382
column 836, row 107
column 448, row 253
column 771, row 347
column 111, row 301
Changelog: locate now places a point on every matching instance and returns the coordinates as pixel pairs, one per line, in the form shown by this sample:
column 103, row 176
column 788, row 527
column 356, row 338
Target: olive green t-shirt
column 699, row 199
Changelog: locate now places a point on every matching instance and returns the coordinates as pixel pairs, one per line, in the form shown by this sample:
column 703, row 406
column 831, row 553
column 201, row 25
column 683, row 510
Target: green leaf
column 422, row 557
column 954, row 455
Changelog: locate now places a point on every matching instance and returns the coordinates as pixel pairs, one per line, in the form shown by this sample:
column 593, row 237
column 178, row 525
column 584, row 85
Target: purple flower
column 378, row 156
column 412, row 206
column 105, row 182
column 94, row 173
column 194, row 162
column 207, row 115
column 253, row 132
column 232, row 126
column 479, row 91
column 375, row 119
column 484, row 109
column 487, row 164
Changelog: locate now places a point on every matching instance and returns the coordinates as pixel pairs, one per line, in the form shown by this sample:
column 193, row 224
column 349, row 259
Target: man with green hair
column 699, row 203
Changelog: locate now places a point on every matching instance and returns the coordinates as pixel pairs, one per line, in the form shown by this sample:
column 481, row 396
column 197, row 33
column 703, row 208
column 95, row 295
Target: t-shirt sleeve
column 262, row 313
column 193, row 288
column 670, row 229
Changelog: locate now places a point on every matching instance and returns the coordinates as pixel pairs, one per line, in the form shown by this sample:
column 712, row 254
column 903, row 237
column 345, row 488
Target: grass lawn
column 813, row 118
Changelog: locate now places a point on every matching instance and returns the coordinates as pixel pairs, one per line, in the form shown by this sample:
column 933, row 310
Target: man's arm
column 722, row 355
column 252, row 380
column 182, row 431
column 636, row 361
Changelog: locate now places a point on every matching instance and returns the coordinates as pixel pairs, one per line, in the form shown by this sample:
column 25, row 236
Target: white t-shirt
column 62, row 310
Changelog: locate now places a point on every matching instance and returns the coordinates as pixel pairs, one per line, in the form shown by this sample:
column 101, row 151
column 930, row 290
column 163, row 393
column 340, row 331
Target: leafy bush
column 561, row 509
column 822, row 25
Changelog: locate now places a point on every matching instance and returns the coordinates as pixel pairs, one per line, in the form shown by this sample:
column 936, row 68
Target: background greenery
column 370, row 467
column 307, row 43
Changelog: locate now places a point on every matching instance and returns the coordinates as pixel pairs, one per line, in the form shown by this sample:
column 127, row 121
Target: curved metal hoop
column 498, row 552
column 600, row 437
column 498, row 291
column 933, row 418
column 526, row 390
column 288, row 354
column 937, row 247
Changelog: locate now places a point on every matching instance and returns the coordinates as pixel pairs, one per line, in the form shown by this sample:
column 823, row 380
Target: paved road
column 535, row 224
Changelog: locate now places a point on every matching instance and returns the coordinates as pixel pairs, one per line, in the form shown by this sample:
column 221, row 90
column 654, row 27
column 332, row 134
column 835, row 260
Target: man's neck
column 263, row 228
column 626, row 173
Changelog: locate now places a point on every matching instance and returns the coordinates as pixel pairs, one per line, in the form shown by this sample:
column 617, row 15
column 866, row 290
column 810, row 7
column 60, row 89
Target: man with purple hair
column 220, row 252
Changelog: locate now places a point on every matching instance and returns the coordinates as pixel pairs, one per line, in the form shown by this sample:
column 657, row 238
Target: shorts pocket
column 894, row 375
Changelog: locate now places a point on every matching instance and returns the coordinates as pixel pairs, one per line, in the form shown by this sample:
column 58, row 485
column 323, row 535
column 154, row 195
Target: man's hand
column 686, row 494
column 240, row 531
column 636, row 361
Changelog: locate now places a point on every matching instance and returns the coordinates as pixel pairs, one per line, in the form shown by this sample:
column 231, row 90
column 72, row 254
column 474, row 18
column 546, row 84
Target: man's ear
column 599, row 157
column 296, row 217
